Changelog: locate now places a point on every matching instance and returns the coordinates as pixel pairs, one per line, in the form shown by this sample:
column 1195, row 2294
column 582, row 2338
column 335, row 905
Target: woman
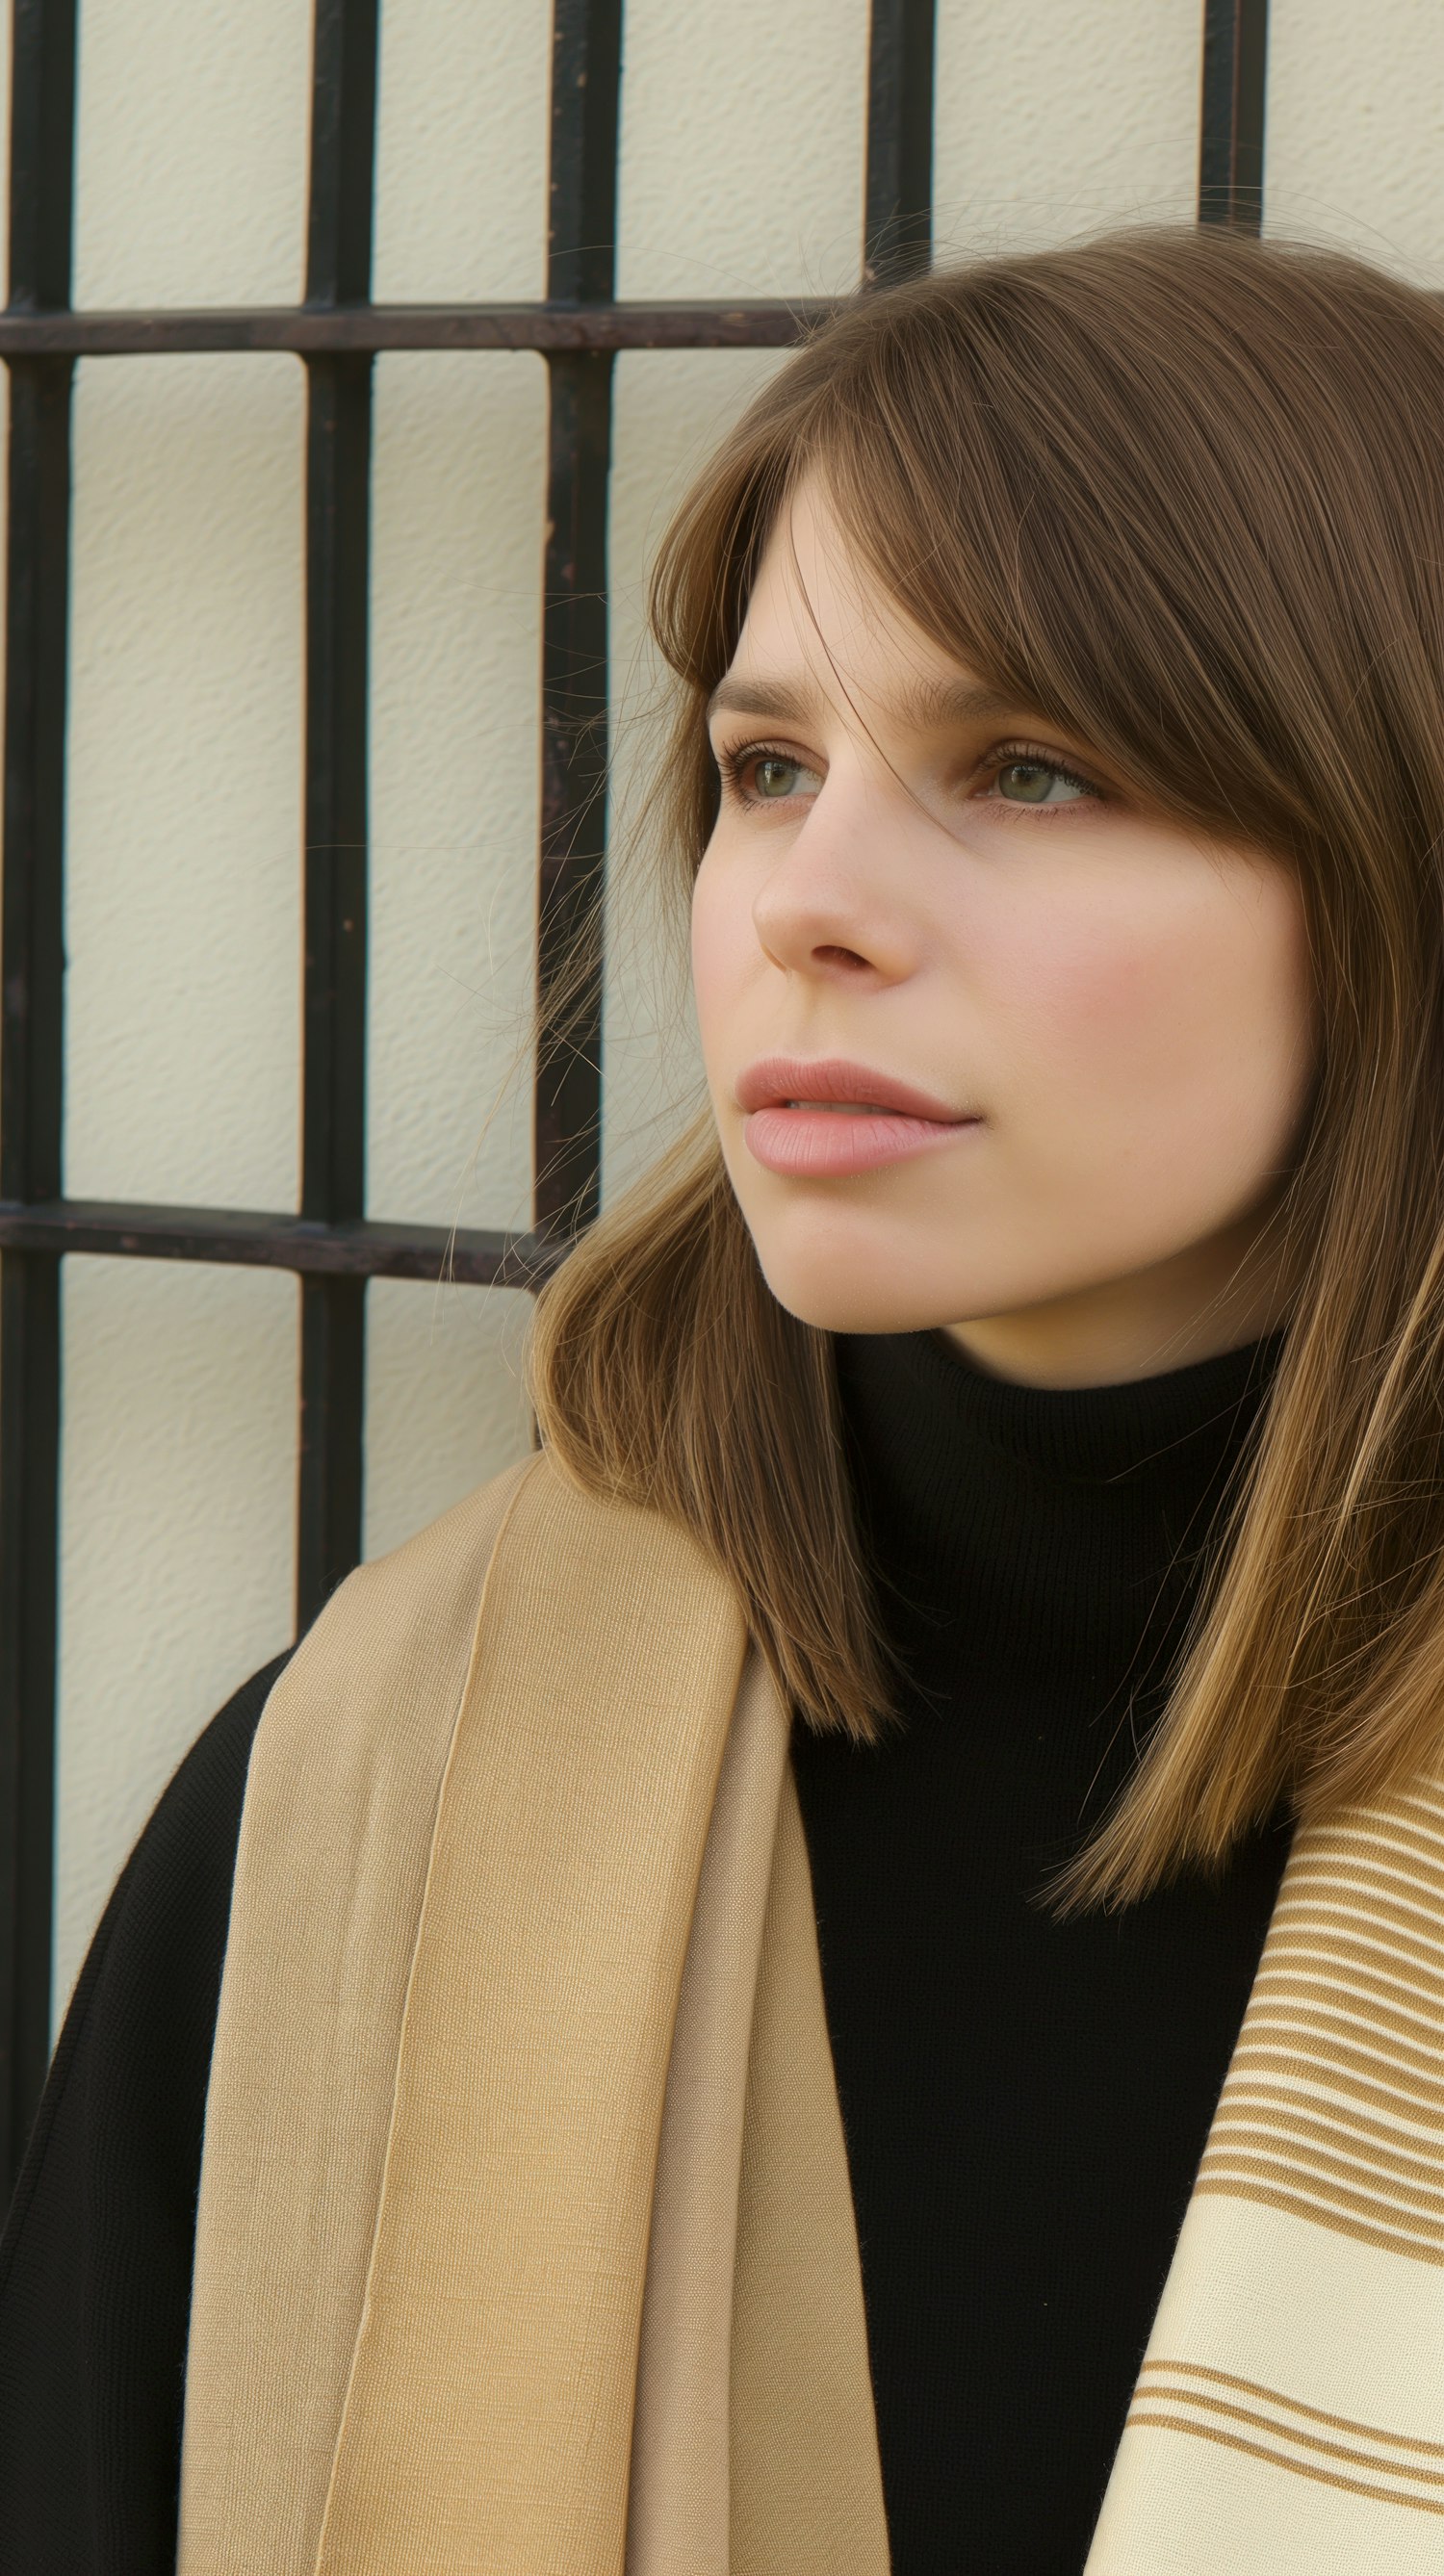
column 842, row 1970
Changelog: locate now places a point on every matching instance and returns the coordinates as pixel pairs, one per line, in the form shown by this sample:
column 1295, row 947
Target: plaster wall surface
column 742, row 138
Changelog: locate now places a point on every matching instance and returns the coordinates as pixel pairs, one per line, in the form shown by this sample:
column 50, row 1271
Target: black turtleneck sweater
column 1025, row 2099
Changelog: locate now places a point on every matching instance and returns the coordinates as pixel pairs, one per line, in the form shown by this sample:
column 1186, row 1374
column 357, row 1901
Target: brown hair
column 1183, row 494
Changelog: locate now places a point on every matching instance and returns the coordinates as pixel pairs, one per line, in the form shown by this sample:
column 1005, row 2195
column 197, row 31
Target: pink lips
column 891, row 1121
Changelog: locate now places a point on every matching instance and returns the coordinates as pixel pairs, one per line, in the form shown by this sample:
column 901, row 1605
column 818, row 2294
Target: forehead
column 813, row 586
column 822, row 629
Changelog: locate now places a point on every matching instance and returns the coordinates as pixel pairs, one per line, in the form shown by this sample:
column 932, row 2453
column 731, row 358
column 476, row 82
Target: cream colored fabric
column 487, row 2427
column 755, row 2445
column 427, row 2229
column 335, row 1838
column 1289, row 2416
column 680, row 2502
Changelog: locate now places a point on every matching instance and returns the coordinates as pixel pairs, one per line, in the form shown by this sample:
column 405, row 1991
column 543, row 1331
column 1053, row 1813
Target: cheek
column 724, row 955
column 1183, row 1038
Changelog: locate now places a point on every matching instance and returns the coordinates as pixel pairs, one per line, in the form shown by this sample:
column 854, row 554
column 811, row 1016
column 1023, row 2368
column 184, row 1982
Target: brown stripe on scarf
column 1333, row 2108
column 1242, row 2414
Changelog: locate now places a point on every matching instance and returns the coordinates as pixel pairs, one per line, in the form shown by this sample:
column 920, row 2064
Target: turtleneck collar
column 1053, row 1535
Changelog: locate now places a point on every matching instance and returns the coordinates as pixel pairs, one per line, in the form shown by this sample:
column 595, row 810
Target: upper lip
column 778, row 1078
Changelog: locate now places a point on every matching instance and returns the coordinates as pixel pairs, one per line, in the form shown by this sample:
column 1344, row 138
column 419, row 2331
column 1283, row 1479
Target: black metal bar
column 338, row 477
column 898, row 211
column 360, row 1248
column 1231, row 137
column 586, row 80
column 358, row 329
column 32, row 968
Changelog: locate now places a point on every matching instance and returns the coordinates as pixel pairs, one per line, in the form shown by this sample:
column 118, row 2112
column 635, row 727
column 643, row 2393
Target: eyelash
column 732, row 764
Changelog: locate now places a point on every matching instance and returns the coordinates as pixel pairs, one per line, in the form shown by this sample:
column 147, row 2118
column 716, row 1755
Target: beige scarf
column 525, row 2242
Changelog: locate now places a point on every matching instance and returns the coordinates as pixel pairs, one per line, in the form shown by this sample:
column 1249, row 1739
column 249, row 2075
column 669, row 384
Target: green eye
column 755, row 776
column 1031, row 782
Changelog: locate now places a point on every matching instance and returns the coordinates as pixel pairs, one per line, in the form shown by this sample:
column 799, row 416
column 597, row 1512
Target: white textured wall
column 1052, row 120
column 742, row 166
column 1356, row 129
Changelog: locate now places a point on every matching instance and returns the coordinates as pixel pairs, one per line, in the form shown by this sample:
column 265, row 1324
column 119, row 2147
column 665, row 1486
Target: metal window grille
column 330, row 1244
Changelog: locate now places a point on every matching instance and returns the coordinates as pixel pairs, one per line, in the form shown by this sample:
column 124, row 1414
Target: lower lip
column 826, row 1144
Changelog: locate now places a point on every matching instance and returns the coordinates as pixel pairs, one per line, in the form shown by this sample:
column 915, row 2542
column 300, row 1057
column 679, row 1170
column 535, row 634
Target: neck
column 1215, row 1297
column 1038, row 1530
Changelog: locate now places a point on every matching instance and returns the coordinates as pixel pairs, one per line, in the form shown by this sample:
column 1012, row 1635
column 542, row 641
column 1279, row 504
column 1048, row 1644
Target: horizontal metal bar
column 356, row 1248
column 359, row 328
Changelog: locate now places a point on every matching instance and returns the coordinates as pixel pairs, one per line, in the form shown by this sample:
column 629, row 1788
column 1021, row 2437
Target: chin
column 840, row 1296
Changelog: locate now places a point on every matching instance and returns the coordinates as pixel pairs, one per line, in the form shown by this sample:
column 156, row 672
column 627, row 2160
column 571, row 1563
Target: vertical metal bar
column 898, row 214
column 338, row 479
column 586, row 81
column 1231, row 138
column 32, row 967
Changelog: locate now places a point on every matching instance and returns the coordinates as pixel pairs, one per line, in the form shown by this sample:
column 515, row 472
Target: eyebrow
column 922, row 706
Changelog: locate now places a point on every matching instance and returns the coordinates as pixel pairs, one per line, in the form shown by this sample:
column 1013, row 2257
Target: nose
column 825, row 908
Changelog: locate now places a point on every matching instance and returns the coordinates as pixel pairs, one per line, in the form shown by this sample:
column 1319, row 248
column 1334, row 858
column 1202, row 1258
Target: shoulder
column 411, row 1600
column 532, row 1587
column 95, row 2260
column 350, row 1750
column 149, row 1980
column 175, row 1886
column 389, row 1652
column 531, row 1577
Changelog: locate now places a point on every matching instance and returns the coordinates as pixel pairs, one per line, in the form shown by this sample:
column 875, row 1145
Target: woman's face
column 990, row 1044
